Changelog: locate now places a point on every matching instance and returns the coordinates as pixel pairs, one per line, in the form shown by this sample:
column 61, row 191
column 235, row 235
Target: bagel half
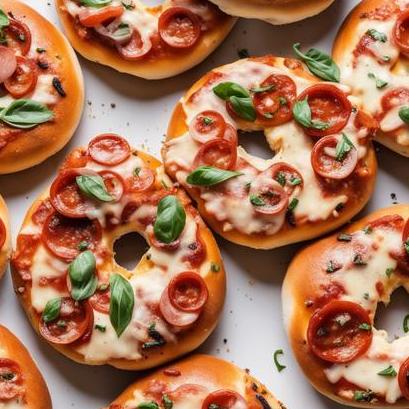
column 166, row 63
column 236, row 220
column 362, row 265
column 5, row 249
column 274, row 11
column 54, row 60
column 189, row 381
column 148, row 339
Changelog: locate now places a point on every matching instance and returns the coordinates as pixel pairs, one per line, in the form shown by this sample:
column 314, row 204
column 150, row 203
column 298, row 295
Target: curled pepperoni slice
column 142, row 180
column 224, row 398
column 3, row 234
column 188, row 292
column 109, row 149
column 401, row 32
column 114, row 184
column 63, row 236
column 93, row 17
column 72, row 323
column 135, row 48
column 206, row 126
column 8, row 63
column 329, row 105
column 325, row 162
column 18, row 36
column 403, row 379
column 101, row 299
column 11, row 379
column 179, row 27
column 267, row 196
column 287, row 176
column 220, row 153
column 339, row 332
column 394, row 98
column 274, row 106
column 24, row 78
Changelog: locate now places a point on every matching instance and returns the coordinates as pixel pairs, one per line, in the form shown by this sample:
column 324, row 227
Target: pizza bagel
column 148, row 42
column 372, row 49
column 40, row 83
column 274, row 11
column 330, row 297
column 321, row 152
column 86, row 305
column 199, row 381
column 21, row 383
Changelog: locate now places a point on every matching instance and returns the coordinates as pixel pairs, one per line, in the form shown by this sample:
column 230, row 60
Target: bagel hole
column 129, row 249
column 390, row 317
column 255, row 143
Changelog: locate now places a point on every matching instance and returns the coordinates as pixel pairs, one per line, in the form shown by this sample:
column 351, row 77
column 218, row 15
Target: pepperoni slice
column 287, row 176
column 267, row 196
column 93, row 17
column 325, row 163
column 274, row 106
column 109, row 149
column 142, row 180
column 136, row 48
column 391, row 222
column 401, row 32
column 179, row 27
column 62, row 236
column 224, row 398
column 24, row 78
column 18, row 36
column 394, row 98
column 220, row 153
column 72, row 323
column 328, row 105
column 230, row 134
column 100, row 301
column 403, row 379
column 188, row 292
column 206, row 126
column 339, row 332
column 114, row 184
column 8, row 63
column 3, row 234
column 11, row 379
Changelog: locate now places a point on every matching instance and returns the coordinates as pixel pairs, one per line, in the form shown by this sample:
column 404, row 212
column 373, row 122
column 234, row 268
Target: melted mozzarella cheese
column 13, row 404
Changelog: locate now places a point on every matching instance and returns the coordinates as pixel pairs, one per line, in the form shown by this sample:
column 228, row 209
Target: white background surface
column 251, row 322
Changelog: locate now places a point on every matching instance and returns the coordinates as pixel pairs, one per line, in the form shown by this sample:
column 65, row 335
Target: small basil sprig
column 4, row 19
column 84, row 282
column 404, row 114
column 319, row 63
column 379, row 82
column 170, row 219
column 344, row 146
column 209, row 176
column 95, row 3
column 52, row 310
column 302, row 114
column 239, row 99
column 25, row 114
column 377, row 35
column 94, row 187
column 121, row 303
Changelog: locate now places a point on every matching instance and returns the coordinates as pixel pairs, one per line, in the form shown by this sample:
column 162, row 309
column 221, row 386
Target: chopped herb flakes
column 279, row 366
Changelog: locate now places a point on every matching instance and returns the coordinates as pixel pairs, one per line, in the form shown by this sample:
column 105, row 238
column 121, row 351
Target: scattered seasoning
column 386, row 58
column 83, row 245
column 158, row 340
column 41, row 50
column 7, row 376
column 207, row 120
column 365, row 327
column 368, row 230
column 243, row 53
column 58, row 87
column 293, row 204
column 280, row 178
column 167, row 402
column 279, row 366
column 380, row 83
column 366, row 296
column 358, row 260
column 148, row 405
column 344, row 237
column 406, row 323
column 295, row 181
column 128, row 4
column 61, row 324
column 339, row 207
column 332, row 267
column 41, row 63
column 283, row 101
column 214, row 267
column 263, row 401
column 113, row 105
column 256, row 200
column 389, row 371
column 394, row 198
column 377, row 35
column 100, row 328
column 365, row 396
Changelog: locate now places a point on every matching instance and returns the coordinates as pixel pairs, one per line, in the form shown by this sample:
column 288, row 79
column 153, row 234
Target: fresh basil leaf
column 244, row 108
column 389, row 371
column 82, row 268
column 170, row 219
column 25, row 113
column 379, row 82
column 344, row 145
column 364, row 396
column 148, row 405
column 209, row 176
column 95, row 3
column 52, row 310
column 257, row 90
column 225, row 90
column 404, row 114
column 93, row 187
column 4, row 19
column 84, row 290
column 319, row 63
column 302, row 114
column 377, row 35
column 121, row 303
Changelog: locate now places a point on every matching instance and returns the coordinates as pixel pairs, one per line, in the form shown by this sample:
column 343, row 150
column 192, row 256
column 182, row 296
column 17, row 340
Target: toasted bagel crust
column 301, row 283
column 6, row 249
column 274, row 11
column 36, row 392
column 158, row 69
column 35, row 145
column 190, row 339
column 199, row 369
